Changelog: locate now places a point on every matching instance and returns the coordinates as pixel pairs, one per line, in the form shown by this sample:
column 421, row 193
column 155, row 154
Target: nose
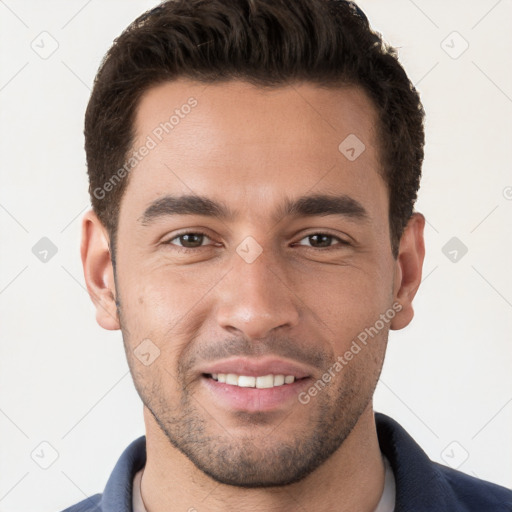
column 257, row 298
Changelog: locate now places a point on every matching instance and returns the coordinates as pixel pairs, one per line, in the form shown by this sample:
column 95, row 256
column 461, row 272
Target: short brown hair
column 266, row 43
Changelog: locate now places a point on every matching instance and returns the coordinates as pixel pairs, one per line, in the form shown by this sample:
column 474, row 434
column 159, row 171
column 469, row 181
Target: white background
column 64, row 380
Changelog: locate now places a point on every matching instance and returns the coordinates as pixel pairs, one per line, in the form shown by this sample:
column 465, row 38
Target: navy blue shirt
column 421, row 485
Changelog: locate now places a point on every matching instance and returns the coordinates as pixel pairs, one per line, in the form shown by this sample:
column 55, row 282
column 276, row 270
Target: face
column 252, row 253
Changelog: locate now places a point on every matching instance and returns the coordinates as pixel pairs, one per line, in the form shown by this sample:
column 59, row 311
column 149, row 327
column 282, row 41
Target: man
column 253, row 169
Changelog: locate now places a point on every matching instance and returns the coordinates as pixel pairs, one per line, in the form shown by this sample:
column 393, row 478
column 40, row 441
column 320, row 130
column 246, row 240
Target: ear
column 408, row 269
column 98, row 270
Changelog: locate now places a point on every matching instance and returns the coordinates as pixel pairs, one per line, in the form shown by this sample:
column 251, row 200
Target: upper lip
column 255, row 367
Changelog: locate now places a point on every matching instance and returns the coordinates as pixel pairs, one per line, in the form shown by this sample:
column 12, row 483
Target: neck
column 351, row 479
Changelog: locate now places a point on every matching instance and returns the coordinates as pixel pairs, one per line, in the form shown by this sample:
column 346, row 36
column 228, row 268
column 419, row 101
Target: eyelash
column 341, row 242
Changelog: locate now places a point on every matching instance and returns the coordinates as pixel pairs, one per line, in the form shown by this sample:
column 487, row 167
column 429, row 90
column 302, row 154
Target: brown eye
column 189, row 240
column 322, row 240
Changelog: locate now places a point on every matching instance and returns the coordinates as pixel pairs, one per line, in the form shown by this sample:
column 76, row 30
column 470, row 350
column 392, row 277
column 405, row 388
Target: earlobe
column 408, row 269
column 98, row 270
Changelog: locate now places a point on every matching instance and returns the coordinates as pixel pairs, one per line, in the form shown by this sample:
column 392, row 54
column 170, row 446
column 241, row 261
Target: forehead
column 251, row 145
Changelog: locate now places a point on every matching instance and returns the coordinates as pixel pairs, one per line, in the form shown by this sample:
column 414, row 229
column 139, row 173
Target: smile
column 250, row 381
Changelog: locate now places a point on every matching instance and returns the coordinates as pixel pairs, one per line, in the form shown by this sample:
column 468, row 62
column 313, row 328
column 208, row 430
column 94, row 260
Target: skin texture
column 302, row 300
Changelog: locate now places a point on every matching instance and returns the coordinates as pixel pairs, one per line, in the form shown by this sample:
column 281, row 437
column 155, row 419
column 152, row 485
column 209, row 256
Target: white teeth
column 279, row 380
column 247, row 381
column 232, row 379
column 267, row 381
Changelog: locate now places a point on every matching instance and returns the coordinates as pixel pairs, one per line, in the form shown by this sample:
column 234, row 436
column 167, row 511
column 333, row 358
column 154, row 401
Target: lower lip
column 254, row 399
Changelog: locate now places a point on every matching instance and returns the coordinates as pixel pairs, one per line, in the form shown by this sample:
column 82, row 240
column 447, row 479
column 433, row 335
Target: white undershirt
column 386, row 503
column 137, row 504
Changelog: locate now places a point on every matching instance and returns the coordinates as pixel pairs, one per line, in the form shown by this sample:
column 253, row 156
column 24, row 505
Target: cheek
column 346, row 300
column 161, row 303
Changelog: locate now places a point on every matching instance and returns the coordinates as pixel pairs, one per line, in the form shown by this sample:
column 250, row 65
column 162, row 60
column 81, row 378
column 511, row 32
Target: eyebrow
column 305, row 206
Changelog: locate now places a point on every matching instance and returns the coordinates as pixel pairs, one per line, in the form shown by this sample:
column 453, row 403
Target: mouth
column 253, row 381
column 255, row 385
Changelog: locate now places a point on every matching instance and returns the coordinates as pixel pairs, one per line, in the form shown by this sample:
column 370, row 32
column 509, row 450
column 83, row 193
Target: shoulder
column 473, row 493
column 91, row 504
column 117, row 495
column 423, row 485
